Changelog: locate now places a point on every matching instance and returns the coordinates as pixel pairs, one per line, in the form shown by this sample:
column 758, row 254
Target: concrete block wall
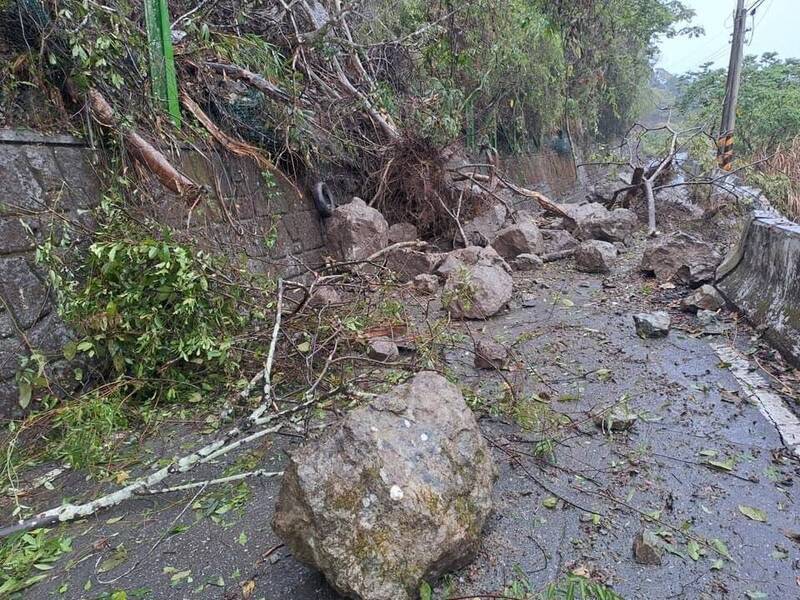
column 256, row 219
column 761, row 277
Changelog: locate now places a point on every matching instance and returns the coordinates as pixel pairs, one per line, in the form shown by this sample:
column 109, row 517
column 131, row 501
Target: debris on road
column 681, row 256
column 652, row 325
column 399, row 491
column 706, row 297
column 595, row 256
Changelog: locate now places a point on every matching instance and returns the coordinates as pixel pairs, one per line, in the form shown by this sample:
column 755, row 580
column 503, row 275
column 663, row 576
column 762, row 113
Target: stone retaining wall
column 257, row 219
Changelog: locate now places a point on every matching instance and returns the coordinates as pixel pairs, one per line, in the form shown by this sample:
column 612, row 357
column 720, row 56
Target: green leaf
column 550, row 502
column 720, row 547
column 242, row 539
column 693, row 549
column 756, row 514
column 717, row 565
column 25, row 393
column 179, row 576
column 425, row 591
column 726, row 465
column 755, row 595
column 119, row 556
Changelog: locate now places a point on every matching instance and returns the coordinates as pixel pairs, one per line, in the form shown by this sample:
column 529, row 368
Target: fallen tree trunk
column 142, row 150
column 257, row 81
column 543, row 201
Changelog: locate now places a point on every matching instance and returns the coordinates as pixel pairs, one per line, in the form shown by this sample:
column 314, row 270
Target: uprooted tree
column 384, row 98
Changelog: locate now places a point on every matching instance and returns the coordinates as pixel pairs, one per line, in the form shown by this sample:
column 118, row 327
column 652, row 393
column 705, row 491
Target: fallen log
column 543, row 201
column 142, row 150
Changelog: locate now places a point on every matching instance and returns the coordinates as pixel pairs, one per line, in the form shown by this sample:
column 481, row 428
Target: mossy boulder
column 397, row 493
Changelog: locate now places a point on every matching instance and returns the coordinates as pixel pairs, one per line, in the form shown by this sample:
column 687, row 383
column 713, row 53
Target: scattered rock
column 595, row 256
column 527, row 262
column 709, row 321
column 426, row 284
column 595, row 222
column 523, row 238
column 402, row 232
column 652, row 325
column 470, row 256
column 619, row 418
column 324, row 296
column 407, row 263
column 558, row 240
column 383, row 349
column 478, row 283
column 356, row 231
column 398, row 492
column 489, row 354
column 704, row 298
column 682, row 256
column 647, row 548
column 483, row 228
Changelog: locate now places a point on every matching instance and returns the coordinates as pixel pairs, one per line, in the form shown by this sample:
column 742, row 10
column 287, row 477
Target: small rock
column 594, row 221
column 478, row 283
column 383, row 350
column 523, row 238
column 652, row 325
column 619, row 418
column 402, row 232
column 485, row 226
column 709, row 321
column 595, row 256
column 426, row 283
column 355, row 231
column 647, row 548
column 324, row 296
column 529, row 300
column 490, row 355
column 704, row 298
column 527, row 262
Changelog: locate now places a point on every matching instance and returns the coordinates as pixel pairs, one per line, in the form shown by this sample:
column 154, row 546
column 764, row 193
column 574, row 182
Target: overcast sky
column 777, row 29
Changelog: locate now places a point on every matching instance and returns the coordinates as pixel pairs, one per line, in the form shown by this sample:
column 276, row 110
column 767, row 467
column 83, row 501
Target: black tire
column 323, row 199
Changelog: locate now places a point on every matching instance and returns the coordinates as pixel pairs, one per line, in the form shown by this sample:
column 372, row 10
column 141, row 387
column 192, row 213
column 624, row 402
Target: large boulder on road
column 478, row 283
column 483, row 228
column 407, row 263
column 595, row 256
column 523, row 238
column 681, row 256
column 558, row 240
column 397, row 493
column 594, row 221
column 356, row 231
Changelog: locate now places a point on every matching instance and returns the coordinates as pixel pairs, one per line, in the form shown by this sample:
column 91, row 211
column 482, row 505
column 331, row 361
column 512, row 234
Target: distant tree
column 768, row 114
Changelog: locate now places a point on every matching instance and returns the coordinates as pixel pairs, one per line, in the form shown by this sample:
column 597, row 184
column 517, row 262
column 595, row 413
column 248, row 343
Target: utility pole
column 725, row 143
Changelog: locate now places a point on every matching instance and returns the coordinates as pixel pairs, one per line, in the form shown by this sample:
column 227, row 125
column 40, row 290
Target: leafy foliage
column 768, row 121
column 150, row 308
column 27, row 557
column 769, row 101
column 510, row 72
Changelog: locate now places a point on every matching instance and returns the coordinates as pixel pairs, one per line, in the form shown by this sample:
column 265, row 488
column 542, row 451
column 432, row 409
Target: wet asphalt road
column 577, row 352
